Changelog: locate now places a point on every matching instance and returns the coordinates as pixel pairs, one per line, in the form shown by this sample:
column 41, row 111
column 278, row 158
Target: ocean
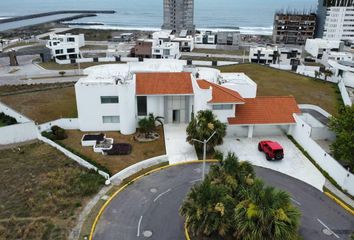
column 250, row 16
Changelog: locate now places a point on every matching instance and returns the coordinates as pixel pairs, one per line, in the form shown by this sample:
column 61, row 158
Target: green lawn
column 306, row 90
column 42, row 192
column 94, row 47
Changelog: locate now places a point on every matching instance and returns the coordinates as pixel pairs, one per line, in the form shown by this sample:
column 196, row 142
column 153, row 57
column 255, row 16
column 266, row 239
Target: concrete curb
column 132, row 181
column 339, row 202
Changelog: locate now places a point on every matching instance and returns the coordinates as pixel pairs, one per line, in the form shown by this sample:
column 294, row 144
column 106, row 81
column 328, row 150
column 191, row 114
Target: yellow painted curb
column 186, row 232
column 135, row 179
column 343, row 205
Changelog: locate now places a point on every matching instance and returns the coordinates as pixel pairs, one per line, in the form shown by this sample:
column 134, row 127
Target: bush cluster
column 56, row 133
column 7, row 120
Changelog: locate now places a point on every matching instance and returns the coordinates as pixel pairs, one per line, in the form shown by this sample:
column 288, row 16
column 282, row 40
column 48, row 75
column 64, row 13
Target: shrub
column 7, row 120
column 59, row 133
column 62, row 73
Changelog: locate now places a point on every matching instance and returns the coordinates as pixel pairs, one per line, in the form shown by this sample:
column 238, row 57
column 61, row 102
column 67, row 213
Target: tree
column 318, row 74
column 327, row 73
column 202, row 127
column 148, row 124
column 266, row 213
column 343, row 126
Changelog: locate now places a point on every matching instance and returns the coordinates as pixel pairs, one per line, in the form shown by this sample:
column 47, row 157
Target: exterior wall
column 344, row 93
column 166, row 50
column 18, row 133
column 9, row 111
column 202, row 97
column 61, row 43
column 90, row 110
column 228, row 38
column 269, row 130
column 143, row 48
column 65, row 123
column 301, row 133
column 342, row 73
column 127, row 102
column 223, row 115
column 155, row 105
column 262, row 55
column 339, row 24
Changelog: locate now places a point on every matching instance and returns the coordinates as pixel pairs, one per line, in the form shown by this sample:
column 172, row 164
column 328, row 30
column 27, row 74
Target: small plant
column 7, row 120
column 59, row 133
column 62, row 73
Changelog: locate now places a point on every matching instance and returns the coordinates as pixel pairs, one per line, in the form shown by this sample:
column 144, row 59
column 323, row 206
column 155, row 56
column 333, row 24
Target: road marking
column 298, row 203
column 161, row 194
column 138, row 233
column 197, row 180
column 327, row 228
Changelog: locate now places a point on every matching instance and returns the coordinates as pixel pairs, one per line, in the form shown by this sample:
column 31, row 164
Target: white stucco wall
column 17, row 133
column 10, row 112
column 65, row 123
column 301, row 133
column 223, row 115
column 155, row 105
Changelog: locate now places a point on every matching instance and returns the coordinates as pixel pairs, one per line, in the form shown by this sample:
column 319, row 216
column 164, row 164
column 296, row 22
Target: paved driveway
column 178, row 150
column 294, row 164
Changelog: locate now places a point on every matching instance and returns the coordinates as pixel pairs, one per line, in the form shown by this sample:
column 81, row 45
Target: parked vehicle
column 272, row 150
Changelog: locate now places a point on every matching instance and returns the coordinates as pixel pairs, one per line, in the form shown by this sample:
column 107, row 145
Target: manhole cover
column 153, row 190
column 327, row 232
column 147, row 234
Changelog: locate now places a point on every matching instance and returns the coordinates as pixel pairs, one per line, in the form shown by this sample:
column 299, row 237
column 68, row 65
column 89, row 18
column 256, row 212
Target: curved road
column 148, row 209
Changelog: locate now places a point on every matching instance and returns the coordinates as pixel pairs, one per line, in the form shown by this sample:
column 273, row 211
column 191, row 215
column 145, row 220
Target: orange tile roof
column 221, row 94
column 266, row 110
column 164, row 83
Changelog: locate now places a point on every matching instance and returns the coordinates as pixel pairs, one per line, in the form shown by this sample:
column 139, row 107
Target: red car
column 272, row 150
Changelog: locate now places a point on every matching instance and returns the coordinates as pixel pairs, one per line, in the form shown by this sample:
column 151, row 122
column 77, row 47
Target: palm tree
column 318, row 74
column 148, row 125
column 202, row 127
column 266, row 213
column 327, row 73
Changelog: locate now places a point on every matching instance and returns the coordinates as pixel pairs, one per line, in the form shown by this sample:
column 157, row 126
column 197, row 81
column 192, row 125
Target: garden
column 6, row 120
column 42, row 193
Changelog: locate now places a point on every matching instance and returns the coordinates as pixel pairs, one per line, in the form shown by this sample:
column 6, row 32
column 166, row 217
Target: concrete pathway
column 319, row 116
column 177, row 149
column 294, row 164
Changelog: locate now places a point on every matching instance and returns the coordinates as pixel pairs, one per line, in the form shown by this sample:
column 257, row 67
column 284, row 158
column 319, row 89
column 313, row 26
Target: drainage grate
column 153, row 190
column 327, row 232
column 147, row 234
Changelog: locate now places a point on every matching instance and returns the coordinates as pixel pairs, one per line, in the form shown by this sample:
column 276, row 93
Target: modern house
column 263, row 55
column 115, row 97
column 293, row 28
column 166, row 50
column 178, row 15
column 343, row 71
column 65, row 46
column 143, row 48
column 228, row 38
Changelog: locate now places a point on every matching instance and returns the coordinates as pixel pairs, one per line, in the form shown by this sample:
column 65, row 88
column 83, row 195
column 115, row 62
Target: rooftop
column 266, row 110
column 221, row 94
column 167, row 83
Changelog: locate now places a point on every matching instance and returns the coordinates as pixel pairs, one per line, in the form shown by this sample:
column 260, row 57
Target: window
column 60, row 51
column 223, row 107
column 142, row 105
column 71, row 50
column 111, row 119
column 71, row 39
column 109, row 99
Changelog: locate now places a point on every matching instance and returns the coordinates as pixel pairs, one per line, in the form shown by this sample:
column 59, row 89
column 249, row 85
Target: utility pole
column 204, row 142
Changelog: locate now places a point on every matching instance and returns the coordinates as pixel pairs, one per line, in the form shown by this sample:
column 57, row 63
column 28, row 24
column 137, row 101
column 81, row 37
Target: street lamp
column 204, row 142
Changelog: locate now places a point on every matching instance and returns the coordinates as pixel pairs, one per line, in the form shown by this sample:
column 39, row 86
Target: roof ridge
column 228, row 91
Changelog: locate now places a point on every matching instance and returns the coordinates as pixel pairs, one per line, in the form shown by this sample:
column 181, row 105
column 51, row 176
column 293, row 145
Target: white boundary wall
column 65, row 123
column 17, row 133
column 72, row 156
column 344, row 93
column 9, row 111
column 281, row 66
column 316, row 108
column 301, row 133
column 127, row 172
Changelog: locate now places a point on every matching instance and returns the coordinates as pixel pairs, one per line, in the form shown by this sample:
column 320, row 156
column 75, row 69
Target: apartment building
column 178, row 15
column 65, row 46
column 228, row 38
column 317, row 47
column 322, row 11
column 293, row 28
column 339, row 24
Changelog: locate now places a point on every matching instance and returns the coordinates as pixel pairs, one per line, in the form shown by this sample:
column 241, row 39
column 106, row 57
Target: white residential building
column 336, row 56
column 165, row 50
column 317, row 47
column 115, row 97
column 264, row 55
column 339, row 24
column 65, row 46
column 343, row 71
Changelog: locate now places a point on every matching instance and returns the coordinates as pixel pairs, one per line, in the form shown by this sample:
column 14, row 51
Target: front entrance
column 176, row 116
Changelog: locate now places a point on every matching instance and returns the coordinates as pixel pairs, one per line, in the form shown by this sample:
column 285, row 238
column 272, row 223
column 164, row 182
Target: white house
column 339, row 24
column 317, row 47
column 165, row 50
column 336, row 56
column 65, row 47
column 114, row 97
column 343, row 70
column 264, row 55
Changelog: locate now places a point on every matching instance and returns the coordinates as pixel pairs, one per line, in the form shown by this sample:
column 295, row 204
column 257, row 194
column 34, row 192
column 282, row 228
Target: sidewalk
column 339, row 194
